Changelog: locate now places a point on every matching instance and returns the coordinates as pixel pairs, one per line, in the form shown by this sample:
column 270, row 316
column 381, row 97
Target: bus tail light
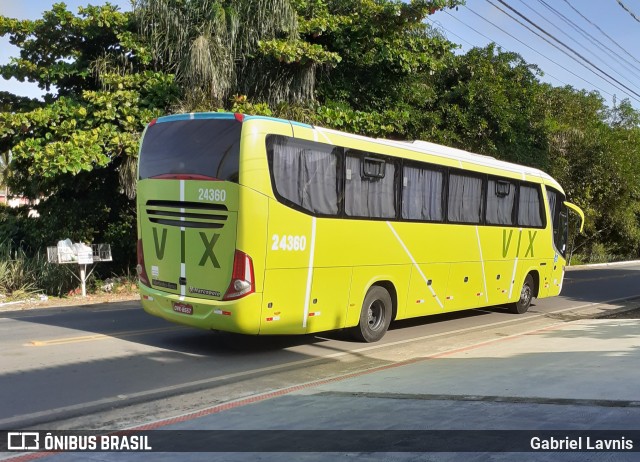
column 142, row 272
column 242, row 279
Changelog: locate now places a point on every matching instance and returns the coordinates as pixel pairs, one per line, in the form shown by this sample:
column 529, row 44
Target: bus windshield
column 559, row 219
column 204, row 147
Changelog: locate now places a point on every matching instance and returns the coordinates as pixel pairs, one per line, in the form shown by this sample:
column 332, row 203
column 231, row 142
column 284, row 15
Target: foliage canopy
column 372, row 67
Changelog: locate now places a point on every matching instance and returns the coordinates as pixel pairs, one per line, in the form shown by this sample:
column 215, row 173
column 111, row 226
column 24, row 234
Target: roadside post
column 81, row 254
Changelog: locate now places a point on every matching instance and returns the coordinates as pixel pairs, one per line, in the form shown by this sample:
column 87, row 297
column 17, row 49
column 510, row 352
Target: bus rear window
column 208, row 147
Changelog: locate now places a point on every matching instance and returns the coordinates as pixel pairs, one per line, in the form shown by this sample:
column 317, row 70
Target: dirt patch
column 72, row 300
column 633, row 313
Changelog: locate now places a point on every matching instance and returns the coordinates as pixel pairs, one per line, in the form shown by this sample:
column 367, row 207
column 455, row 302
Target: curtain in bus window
column 500, row 202
column 369, row 197
column 305, row 173
column 559, row 219
column 355, row 203
column 529, row 206
column 563, row 230
column 422, row 194
column 287, row 170
column 551, row 196
column 319, row 181
column 382, row 198
column 465, row 198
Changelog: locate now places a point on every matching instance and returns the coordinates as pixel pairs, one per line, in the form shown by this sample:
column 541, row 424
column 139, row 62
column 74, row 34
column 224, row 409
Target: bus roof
column 437, row 150
column 418, row 146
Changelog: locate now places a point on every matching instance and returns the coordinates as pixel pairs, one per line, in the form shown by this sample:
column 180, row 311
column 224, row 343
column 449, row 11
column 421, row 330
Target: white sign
column 85, row 257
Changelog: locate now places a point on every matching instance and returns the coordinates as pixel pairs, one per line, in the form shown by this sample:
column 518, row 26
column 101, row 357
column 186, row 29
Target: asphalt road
column 114, row 366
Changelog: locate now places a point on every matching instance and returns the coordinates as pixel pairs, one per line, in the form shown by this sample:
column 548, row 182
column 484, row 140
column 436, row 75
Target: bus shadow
column 206, row 342
column 131, row 324
column 437, row 318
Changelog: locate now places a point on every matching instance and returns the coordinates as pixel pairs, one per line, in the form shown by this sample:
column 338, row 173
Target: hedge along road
column 113, row 366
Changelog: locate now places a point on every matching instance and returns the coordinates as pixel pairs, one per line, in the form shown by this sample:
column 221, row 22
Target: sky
column 33, row 9
column 588, row 44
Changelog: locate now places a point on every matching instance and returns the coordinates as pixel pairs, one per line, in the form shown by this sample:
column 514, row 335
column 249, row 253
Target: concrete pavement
column 572, row 376
column 580, row 375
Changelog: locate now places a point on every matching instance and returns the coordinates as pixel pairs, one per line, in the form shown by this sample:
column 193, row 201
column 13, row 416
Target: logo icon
column 23, row 441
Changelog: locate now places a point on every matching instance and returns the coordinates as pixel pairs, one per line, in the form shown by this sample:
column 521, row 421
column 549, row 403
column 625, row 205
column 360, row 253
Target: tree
column 384, row 48
column 5, row 159
column 488, row 101
column 382, row 45
column 594, row 153
column 221, row 48
column 77, row 149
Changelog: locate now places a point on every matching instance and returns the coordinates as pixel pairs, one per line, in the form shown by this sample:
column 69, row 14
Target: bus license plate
column 182, row 308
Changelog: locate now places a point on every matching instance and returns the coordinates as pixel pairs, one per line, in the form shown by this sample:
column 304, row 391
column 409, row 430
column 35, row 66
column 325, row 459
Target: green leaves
column 372, row 67
column 298, row 52
column 383, row 47
column 72, row 135
column 58, row 49
column 595, row 153
column 76, row 150
column 488, row 103
column 374, row 124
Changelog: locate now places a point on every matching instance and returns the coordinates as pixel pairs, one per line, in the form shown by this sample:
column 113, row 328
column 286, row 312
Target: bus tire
column 526, row 295
column 375, row 316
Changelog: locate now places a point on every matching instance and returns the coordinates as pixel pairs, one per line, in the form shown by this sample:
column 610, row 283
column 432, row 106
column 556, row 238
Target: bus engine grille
column 187, row 214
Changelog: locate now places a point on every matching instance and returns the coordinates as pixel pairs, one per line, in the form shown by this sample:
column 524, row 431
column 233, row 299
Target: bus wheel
column 526, row 295
column 375, row 315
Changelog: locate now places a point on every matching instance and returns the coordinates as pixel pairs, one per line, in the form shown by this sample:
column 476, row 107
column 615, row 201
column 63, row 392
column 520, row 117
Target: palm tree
column 5, row 160
column 213, row 48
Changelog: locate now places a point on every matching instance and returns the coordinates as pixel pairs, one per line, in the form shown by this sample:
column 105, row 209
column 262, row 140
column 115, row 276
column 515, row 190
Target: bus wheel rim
column 375, row 314
column 525, row 294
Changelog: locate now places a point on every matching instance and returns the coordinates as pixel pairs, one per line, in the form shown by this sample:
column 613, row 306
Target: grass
column 23, row 276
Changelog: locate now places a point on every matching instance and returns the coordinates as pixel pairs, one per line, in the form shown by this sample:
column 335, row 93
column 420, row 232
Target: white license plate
column 183, row 308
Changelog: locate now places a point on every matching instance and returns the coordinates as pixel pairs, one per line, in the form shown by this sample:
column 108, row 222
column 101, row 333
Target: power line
column 601, row 31
column 565, row 46
column 475, row 30
column 626, row 8
column 516, row 38
column 629, row 90
column 594, row 41
column 546, row 40
column 438, row 24
column 588, row 50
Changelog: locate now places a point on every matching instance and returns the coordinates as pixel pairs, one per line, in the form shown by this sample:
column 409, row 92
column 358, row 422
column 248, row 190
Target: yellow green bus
column 259, row 225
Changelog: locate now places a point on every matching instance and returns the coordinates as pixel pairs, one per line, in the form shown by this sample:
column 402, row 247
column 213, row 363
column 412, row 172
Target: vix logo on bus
column 160, row 244
column 506, row 242
column 208, row 250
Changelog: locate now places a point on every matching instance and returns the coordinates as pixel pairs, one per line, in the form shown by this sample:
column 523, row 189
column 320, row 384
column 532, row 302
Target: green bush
column 22, row 275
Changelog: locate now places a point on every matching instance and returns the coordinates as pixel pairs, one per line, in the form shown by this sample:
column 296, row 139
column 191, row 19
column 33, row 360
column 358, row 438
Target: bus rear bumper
column 240, row 316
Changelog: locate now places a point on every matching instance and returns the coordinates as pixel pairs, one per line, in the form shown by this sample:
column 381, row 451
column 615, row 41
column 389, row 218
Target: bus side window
column 305, row 173
column 501, row 202
column 369, row 195
column 422, row 194
column 465, row 198
column 529, row 210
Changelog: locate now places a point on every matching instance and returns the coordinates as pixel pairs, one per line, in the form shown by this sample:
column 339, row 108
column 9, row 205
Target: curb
column 602, row 265
column 11, row 309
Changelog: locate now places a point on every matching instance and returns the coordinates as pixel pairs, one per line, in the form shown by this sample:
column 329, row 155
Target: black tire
column 375, row 315
column 526, row 295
